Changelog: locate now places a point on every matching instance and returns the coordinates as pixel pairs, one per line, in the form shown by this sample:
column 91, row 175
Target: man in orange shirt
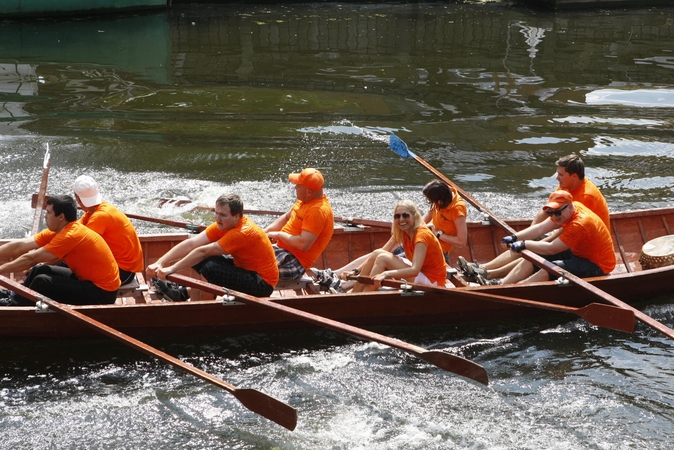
column 91, row 275
column 232, row 252
column 584, row 248
column 113, row 226
column 570, row 175
column 302, row 233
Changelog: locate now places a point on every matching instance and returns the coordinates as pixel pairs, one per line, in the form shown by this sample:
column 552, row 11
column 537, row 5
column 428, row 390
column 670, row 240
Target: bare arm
column 28, row 260
column 302, row 242
column 14, row 249
column 408, row 272
column 279, row 223
column 461, row 233
column 177, row 252
column 537, row 230
column 547, row 248
column 195, row 256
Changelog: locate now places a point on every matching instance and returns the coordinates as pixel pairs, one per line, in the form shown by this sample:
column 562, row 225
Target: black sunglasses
column 404, row 216
column 556, row 212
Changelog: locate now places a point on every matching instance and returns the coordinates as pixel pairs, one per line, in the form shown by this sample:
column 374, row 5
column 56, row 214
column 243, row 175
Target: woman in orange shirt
column 424, row 263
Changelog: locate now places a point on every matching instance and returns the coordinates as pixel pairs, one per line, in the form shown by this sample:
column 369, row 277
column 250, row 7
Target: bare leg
column 384, row 261
column 522, row 270
column 502, row 271
column 501, row 260
column 366, row 267
column 541, row 275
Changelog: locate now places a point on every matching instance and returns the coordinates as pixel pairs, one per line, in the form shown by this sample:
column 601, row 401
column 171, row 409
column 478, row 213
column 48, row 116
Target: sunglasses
column 403, row 215
column 556, row 212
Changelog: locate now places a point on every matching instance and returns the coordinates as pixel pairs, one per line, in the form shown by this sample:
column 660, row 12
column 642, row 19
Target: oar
column 597, row 314
column 345, row 220
column 254, row 400
column 443, row 360
column 173, row 223
column 39, row 205
column 35, row 201
column 196, row 228
column 398, row 146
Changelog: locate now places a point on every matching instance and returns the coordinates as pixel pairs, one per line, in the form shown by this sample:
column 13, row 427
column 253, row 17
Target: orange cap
column 558, row 199
column 309, row 177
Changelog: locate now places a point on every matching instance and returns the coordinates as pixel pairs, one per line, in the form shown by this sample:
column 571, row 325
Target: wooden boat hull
column 148, row 316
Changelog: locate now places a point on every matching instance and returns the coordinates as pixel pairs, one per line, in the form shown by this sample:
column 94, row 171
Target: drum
column 657, row 253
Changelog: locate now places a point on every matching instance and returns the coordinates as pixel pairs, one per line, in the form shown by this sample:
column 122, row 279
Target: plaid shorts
column 289, row 267
column 221, row 270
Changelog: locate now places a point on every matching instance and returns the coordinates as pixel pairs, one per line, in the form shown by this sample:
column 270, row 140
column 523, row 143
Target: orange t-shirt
column 249, row 246
column 588, row 194
column 434, row 263
column 443, row 219
column 315, row 217
column 118, row 231
column 85, row 253
column 588, row 238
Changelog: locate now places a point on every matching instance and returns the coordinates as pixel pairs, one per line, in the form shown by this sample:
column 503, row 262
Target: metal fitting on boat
column 406, row 290
column 42, row 307
column 563, row 281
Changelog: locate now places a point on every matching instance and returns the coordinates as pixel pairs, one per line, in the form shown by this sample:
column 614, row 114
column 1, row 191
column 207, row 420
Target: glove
column 507, row 240
column 518, row 246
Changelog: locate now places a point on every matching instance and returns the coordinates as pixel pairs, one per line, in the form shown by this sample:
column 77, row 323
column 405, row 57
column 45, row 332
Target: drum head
column 657, row 253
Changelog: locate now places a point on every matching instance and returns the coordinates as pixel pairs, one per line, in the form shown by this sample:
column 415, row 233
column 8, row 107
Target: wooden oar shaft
column 256, row 401
column 172, row 223
column 597, row 314
column 541, row 262
column 349, row 221
column 446, row 361
column 39, row 205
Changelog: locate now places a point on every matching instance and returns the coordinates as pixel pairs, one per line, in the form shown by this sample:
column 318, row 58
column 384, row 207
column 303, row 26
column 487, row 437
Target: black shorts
column 566, row 260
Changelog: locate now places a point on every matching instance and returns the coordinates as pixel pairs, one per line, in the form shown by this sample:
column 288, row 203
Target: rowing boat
column 140, row 312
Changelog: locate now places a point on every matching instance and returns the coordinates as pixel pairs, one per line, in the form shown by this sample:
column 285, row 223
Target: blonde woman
column 425, row 263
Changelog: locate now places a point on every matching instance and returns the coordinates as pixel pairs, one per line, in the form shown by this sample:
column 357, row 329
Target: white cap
column 87, row 190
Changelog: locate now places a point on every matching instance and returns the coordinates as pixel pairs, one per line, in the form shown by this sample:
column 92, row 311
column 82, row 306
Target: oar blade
column 266, row 406
column 397, row 145
column 457, row 365
column 608, row 316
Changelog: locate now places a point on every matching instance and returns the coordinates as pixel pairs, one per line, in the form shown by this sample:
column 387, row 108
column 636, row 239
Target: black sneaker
column 170, row 290
column 4, row 293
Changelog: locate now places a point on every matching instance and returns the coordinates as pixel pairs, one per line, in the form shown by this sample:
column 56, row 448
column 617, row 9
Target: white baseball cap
column 86, row 189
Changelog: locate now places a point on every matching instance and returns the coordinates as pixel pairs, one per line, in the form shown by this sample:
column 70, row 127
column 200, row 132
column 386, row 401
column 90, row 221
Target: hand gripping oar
column 39, row 205
column 443, row 360
column 398, row 146
column 597, row 314
column 254, row 400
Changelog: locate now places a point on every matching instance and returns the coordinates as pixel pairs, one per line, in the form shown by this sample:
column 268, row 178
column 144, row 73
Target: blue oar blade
column 397, row 145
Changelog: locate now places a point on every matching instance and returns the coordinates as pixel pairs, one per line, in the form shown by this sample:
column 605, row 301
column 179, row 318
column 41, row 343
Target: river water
column 210, row 99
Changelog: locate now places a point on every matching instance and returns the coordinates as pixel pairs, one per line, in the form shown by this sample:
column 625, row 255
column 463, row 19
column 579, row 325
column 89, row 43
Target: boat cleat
column 407, row 291
column 350, row 226
column 227, row 299
column 41, row 307
column 563, row 281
